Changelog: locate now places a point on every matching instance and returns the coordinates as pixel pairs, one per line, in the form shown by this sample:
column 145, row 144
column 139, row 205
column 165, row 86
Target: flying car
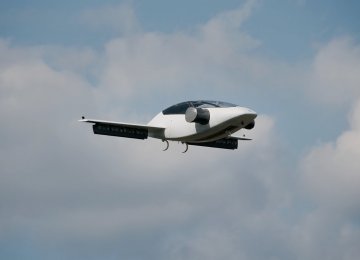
column 202, row 123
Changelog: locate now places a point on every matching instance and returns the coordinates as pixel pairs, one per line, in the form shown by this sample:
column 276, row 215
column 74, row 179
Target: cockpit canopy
column 183, row 106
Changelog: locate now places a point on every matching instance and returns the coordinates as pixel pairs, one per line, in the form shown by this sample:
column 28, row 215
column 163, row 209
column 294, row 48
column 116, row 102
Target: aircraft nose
column 249, row 112
column 247, row 118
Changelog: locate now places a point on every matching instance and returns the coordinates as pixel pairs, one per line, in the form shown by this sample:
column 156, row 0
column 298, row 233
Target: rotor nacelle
column 250, row 125
column 197, row 115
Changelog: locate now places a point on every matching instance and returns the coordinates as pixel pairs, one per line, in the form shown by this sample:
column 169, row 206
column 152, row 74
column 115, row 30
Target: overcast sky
column 291, row 193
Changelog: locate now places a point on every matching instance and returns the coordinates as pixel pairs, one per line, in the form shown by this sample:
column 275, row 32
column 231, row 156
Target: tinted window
column 203, row 104
column 177, row 109
column 181, row 107
column 220, row 104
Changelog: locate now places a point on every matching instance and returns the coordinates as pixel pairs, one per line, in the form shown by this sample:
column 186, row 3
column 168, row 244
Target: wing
column 240, row 138
column 120, row 129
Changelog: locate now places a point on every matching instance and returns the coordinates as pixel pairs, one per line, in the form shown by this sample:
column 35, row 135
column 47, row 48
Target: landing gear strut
column 186, row 148
column 167, row 145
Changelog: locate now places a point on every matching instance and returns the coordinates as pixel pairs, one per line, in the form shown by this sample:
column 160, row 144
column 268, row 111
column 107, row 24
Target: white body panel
column 223, row 122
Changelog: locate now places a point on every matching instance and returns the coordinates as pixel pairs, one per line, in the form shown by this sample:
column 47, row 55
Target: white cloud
column 213, row 59
column 335, row 75
column 62, row 185
column 332, row 170
column 193, row 61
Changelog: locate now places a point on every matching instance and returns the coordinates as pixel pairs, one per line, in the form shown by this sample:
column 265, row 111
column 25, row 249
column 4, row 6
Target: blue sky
column 298, row 23
column 291, row 193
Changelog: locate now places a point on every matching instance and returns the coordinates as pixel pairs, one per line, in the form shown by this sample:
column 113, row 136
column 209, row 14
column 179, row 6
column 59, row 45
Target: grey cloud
column 62, row 184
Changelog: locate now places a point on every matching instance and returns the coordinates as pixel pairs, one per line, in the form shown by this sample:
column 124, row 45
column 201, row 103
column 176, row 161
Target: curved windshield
column 181, row 107
column 221, row 104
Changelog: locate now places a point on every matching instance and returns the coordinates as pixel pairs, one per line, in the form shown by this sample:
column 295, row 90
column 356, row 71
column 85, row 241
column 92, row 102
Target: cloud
column 156, row 62
column 120, row 19
column 66, row 190
column 332, row 170
column 62, row 186
column 335, row 79
column 215, row 58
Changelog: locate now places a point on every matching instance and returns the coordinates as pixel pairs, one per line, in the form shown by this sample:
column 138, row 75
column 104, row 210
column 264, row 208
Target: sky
column 291, row 193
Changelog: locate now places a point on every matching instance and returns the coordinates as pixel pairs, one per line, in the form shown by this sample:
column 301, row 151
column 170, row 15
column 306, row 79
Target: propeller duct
column 197, row 115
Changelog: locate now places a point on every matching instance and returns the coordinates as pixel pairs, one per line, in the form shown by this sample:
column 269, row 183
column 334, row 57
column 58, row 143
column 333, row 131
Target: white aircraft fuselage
column 223, row 122
column 204, row 123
